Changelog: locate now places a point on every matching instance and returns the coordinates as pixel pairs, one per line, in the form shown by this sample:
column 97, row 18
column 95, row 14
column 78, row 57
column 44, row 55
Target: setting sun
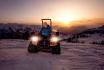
column 65, row 19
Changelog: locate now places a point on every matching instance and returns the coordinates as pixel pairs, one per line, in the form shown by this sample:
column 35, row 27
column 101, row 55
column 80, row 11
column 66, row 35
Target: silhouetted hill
column 94, row 30
column 14, row 30
column 102, row 27
column 73, row 29
column 94, row 36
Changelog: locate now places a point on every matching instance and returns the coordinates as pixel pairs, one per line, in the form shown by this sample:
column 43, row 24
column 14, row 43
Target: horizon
column 89, row 23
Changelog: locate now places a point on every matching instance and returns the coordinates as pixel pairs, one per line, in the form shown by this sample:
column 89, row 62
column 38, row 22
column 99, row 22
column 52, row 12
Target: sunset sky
column 31, row 11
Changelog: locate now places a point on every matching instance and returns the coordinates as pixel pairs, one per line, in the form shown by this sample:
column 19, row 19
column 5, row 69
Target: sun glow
column 65, row 20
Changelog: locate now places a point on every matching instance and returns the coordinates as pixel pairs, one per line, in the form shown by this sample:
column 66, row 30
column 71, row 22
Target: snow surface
column 92, row 38
column 74, row 56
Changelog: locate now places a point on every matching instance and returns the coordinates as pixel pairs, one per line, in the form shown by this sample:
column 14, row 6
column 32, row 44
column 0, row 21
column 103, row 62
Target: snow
column 74, row 56
column 92, row 38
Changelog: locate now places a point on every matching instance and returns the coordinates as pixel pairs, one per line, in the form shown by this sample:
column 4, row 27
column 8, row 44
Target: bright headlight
column 54, row 39
column 34, row 38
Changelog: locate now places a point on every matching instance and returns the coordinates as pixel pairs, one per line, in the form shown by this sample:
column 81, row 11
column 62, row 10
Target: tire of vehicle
column 56, row 49
column 32, row 48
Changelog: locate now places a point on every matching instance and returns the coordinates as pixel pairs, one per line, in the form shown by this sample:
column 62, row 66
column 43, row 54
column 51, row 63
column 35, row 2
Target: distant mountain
column 94, row 30
column 102, row 27
column 16, row 26
column 17, row 31
column 73, row 29
column 92, row 36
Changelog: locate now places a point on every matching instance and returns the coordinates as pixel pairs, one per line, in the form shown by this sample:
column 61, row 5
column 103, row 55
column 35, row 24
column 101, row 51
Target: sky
column 32, row 11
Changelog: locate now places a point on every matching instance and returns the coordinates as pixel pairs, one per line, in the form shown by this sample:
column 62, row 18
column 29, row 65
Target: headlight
column 34, row 38
column 54, row 39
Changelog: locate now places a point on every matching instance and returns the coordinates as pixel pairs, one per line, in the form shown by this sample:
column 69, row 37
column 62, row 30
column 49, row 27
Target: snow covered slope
column 14, row 56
